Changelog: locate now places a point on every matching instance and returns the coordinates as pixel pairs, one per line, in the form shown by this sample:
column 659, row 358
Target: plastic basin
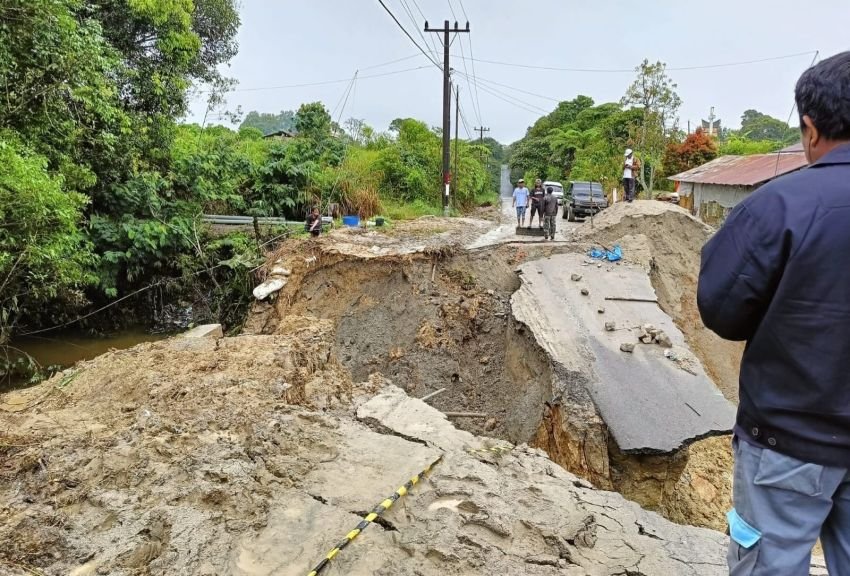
column 351, row 221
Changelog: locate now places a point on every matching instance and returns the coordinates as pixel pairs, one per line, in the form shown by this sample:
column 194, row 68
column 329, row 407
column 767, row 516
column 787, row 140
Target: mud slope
column 243, row 456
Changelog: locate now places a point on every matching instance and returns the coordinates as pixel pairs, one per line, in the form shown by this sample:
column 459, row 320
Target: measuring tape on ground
column 497, row 450
column 369, row 518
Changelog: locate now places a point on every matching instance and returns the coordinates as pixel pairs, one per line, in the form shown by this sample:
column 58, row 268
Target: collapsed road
column 257, row 454
column 649, row 404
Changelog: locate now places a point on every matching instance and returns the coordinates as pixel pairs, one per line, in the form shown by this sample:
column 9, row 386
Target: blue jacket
column 777, row 275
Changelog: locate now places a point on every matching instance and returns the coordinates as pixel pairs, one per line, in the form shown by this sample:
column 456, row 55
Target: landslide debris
column 246, row 455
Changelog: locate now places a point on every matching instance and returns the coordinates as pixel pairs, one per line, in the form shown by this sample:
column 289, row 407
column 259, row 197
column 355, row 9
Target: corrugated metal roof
column 798, row 147
column 743, row 170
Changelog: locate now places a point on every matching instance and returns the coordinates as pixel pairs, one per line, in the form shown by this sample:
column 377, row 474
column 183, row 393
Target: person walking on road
column 520, row 202
column 775, row 276
column 537, row 204
column 550, row 213
column 629, row 176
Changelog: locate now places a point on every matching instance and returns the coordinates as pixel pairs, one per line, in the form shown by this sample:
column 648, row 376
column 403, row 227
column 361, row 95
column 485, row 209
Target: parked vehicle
column 557, row 190
column 583, row 199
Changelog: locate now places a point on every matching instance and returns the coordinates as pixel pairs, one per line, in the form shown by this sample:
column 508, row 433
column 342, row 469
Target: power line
column 390, row 62
column 468, row 83
column 472, row 57
column 452, row 8
column 344, row 99
column 406, row 33
column 541, row 96
column 511, row 102
column 528, row 106
column 631, row 70
column 424, row 18
column 324, row 82
column 413, row 21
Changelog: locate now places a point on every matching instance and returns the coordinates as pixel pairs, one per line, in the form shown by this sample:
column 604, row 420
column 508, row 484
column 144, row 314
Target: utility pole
column 481, row 130
column 447, row 104
column 456, row 173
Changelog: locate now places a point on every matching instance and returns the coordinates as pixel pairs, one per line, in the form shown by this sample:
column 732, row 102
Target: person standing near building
column 629, row 176
column 520, row 202
column 550, row 213
column 537, row 203
column 775, row 276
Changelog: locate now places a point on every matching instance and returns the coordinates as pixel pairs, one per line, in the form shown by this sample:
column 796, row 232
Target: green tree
column 654, row 93
column 45, row 261
column 759, row 127
column 270, row 123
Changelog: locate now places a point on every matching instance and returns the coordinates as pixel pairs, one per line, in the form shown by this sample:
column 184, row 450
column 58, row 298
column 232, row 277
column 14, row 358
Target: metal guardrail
column 248, row 220
column 264, row 220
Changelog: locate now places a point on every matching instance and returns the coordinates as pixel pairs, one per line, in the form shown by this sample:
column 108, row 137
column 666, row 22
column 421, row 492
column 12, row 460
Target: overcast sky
column 285, row 42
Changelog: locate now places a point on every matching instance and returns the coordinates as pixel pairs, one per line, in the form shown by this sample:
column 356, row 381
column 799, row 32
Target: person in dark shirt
column 776, row 276
column 550, row 212
column 537, row 203
column 314, row 222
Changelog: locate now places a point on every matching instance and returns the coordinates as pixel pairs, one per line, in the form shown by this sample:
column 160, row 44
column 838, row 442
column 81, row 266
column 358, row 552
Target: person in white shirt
column 628, row 176
column 520, row 202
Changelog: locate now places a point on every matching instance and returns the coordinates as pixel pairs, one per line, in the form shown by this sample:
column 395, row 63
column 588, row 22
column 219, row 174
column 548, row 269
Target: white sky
column 284, row 42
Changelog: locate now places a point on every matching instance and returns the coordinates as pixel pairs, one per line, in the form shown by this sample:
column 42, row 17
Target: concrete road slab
column 649, row 402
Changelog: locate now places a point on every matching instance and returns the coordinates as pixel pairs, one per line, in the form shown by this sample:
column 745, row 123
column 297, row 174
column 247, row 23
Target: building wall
column 713, row 202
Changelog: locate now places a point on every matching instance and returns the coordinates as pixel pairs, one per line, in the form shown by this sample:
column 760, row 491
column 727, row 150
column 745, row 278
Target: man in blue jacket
column 777, row 275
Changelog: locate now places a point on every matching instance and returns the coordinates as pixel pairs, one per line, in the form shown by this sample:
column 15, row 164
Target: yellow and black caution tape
column 369, row 518
column 497, row 450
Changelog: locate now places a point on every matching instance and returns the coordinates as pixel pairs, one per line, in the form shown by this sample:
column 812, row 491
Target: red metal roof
column 743, row 170
column 798, row 147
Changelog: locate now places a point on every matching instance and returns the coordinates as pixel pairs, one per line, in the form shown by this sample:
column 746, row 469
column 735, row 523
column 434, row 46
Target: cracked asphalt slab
column 649, row 402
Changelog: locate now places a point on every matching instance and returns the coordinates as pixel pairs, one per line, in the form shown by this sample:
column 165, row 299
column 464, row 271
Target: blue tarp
column 610, row 255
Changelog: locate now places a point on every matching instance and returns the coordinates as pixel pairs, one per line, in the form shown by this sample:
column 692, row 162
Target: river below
column 65, row 350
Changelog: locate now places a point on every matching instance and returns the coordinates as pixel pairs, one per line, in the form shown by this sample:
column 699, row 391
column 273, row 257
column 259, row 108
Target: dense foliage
column 102, row 189
column 580, row 140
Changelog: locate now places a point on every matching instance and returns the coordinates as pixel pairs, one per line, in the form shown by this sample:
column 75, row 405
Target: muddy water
column 67, row 349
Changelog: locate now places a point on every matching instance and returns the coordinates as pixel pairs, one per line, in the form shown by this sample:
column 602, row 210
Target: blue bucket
column 351, row 221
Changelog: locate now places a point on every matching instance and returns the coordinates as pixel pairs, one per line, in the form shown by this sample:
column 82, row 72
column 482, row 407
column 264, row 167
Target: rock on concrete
column 205, row 331
column 650, row 404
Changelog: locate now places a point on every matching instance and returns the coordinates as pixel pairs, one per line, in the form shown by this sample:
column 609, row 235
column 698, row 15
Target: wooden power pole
column 456, row 172
column 447, row 105
column 481, row 130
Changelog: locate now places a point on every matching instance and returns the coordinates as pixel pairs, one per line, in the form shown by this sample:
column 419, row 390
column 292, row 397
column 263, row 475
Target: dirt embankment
column 442, row 320
column 183, row 456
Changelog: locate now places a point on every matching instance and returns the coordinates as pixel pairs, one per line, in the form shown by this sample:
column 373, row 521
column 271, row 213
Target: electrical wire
column 631, row 70
column 511, row 102
column 425, row 19
column 515, row 89
column 790, row 114
column 464, row 123
column 528, row 106
column 418, row 29
column 469, row 84
column 406, row 33
column 452, row 8
column 472, row 58
column 325, row 82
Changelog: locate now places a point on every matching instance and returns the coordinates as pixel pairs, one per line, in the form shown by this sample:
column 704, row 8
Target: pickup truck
column 583, row 199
